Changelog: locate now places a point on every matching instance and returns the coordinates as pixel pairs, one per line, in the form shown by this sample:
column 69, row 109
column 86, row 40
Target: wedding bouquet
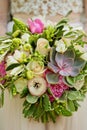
column 46, row 64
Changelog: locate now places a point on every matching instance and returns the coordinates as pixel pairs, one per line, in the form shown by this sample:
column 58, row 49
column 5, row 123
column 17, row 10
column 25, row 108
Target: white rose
column 43, row 46
column 35, row 67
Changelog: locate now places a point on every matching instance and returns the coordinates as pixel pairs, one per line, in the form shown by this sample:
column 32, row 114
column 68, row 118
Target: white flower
column 25, row 37
column 37, row 86
column 35, row 67
column 10, row 60
column 20, row 56
column 60, row 46
column 43, row 46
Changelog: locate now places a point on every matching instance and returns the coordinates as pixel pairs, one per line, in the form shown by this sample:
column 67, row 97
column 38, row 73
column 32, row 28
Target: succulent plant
column 66, row 64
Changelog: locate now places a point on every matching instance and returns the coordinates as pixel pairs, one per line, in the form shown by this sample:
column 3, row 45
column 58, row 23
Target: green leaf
column 44, row 117
column 46, row 103
column 52, row 78
column 13, row 90
column 52, row 115
column 70, row 105
column 38, row 112
column 20, row 25
column 1, row 98
column 28, row 112
column 75, row 95
column 12, row 66
column 31, row 99
column 24, row 92
column 66, row 113
column 70, row 80
column 62, row 22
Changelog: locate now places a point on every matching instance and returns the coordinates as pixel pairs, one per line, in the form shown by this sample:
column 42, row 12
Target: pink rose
column 36, row 26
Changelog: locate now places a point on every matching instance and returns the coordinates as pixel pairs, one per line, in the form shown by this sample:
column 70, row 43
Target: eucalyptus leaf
column 52, row 78
column 31, row 99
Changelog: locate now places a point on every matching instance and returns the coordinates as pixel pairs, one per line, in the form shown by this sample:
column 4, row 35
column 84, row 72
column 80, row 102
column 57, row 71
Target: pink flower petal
column 36, row 26
column 52, row 67
column 2, row 71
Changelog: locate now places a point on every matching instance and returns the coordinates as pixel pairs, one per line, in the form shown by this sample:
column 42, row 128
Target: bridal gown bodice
column 46, row 7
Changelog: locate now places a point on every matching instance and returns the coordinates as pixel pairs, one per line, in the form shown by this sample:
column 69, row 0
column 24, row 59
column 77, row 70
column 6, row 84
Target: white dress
column 11, row 117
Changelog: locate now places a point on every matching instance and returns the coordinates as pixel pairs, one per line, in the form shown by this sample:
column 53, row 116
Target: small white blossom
column 25, row 37
column 60, row 46
column 17, row 55
column 11, row 60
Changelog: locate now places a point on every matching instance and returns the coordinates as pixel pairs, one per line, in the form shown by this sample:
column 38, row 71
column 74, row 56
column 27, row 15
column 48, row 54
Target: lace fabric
column 46, row 7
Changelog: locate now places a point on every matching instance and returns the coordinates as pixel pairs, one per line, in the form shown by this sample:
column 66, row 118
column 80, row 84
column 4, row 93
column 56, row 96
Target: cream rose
column 43, row 46
column 35, row 67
